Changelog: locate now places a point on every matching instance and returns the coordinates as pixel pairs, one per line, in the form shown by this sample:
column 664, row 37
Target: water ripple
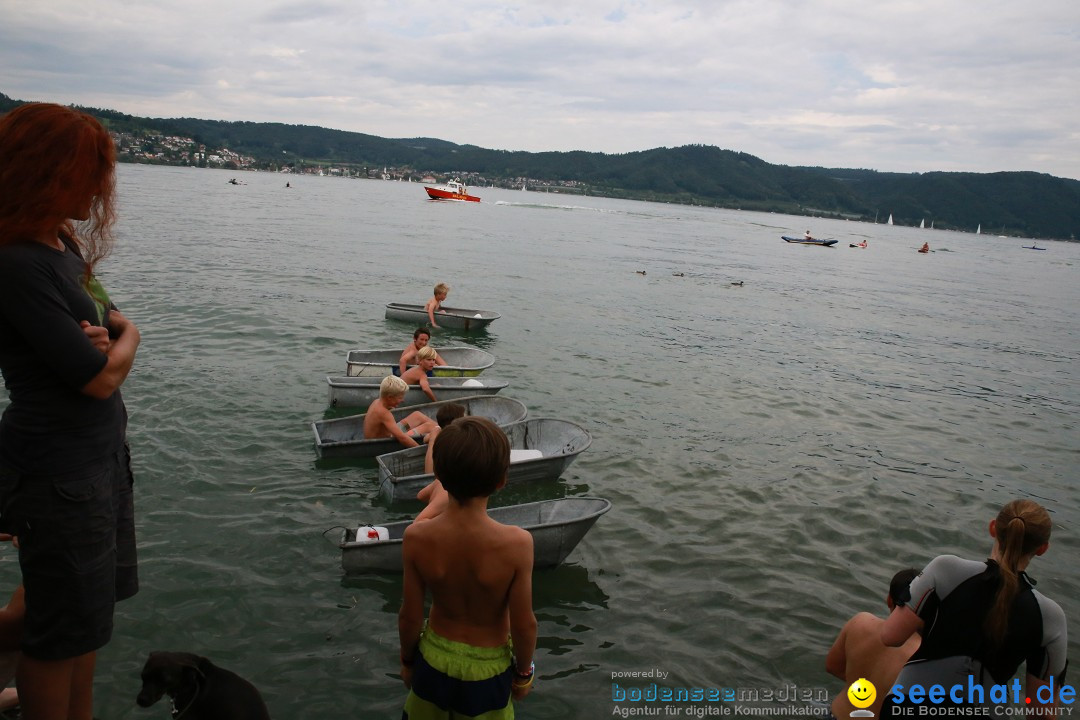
column 773, row 451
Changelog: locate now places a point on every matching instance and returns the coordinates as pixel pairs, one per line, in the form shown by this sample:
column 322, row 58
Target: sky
column 899, row 86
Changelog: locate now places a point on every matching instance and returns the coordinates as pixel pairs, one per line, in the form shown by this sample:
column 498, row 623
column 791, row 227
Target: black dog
column 199, row 689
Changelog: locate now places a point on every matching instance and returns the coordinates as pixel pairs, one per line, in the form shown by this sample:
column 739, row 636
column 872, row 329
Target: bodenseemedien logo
column 861, row 694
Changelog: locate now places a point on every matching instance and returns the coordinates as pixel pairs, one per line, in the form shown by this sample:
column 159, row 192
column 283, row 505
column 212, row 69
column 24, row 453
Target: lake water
column 774, row 451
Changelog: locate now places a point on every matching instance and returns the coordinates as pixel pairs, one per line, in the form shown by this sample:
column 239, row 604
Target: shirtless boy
column 859, row 653
column 379, row 421
column 420, row 339
column 479, row 573
column 426, row 359
column 435, row 303
column 434, row 494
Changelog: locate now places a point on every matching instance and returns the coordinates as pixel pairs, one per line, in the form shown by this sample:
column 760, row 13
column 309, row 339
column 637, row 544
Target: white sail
column 978, row 230
column 922, row 224
column 890, row 219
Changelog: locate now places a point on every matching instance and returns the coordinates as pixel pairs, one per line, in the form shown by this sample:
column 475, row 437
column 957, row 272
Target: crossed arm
column 119, row 351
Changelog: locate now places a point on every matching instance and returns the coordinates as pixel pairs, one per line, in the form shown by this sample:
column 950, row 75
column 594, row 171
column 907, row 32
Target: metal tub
column 447, row 317
column 344, row 391
column 460, row 362
column 557, row 526
column 401, row 473
column 344, row 437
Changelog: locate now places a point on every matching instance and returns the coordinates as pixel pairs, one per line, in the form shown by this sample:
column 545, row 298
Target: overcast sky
column 906, row 85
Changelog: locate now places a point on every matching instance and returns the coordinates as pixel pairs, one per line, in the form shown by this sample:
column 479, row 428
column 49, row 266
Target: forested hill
column 1014, row 203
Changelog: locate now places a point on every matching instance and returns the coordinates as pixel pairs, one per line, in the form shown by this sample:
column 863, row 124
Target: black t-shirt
column 46, row 358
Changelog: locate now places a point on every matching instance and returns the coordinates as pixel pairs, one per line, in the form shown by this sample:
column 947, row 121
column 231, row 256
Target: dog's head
column 166, row 672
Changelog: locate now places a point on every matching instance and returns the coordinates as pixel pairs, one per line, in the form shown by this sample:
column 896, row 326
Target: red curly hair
column 54, row 159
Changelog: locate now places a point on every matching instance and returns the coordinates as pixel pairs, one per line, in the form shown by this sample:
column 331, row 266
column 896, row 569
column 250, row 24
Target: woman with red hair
column 65, row 350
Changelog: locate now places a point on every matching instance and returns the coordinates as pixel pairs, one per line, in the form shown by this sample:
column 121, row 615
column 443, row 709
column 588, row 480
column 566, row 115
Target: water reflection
column 560, row 596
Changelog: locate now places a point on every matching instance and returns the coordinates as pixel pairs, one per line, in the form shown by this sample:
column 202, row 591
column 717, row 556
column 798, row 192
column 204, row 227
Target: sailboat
column 890, row 220
column 978, row 230
column 922, row 224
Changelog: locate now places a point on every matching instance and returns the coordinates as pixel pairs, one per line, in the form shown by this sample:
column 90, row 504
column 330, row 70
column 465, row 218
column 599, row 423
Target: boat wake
column 550, row 206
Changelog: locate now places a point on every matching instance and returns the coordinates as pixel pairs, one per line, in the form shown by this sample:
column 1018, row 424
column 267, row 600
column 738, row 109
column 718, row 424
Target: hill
column 1016, row 203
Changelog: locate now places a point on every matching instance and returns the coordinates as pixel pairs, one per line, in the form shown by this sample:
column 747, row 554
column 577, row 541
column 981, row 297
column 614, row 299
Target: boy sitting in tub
column 420, row 339
column 426, row 359
column 433, row 493
column 379, row 421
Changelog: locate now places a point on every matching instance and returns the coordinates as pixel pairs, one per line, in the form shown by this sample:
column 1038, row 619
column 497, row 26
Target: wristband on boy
column 524, row 680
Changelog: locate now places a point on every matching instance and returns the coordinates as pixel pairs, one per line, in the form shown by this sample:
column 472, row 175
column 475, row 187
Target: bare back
column 414, row 375
column 476, row 570
column 376, row 419
column 408, row 356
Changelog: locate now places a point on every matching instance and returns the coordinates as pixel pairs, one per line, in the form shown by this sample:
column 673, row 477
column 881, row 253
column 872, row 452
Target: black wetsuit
column 953, row 597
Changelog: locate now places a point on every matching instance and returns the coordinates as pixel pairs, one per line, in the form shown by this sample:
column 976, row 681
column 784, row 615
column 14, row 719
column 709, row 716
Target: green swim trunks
column 452, row 679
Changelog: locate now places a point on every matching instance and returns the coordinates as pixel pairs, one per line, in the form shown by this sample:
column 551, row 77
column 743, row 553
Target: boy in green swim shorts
column 476, row 650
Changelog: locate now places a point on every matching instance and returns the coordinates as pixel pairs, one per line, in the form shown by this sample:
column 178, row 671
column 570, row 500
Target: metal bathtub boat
column 345, row 391
column 554, row 445
column 447, row 317
column 557, row 526
column 460, row 362
column 344, row 437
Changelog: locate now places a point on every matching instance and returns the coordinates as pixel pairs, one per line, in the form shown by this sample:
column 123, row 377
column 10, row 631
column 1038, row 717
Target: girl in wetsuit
column 980, row 620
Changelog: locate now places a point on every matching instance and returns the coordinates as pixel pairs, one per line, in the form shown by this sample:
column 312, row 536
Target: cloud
column 908, row 86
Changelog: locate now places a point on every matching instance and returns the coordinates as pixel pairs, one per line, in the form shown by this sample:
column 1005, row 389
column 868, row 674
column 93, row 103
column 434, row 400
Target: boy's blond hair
column 426, row 353
column 442, row 289
column 392, row 386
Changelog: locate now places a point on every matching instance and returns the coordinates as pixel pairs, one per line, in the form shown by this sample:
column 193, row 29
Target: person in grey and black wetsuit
column 980, row 620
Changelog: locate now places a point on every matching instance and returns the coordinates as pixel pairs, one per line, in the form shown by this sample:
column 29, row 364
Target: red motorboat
column 453, row 190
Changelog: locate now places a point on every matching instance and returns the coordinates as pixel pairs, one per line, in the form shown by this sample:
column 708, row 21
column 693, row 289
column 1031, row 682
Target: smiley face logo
column 862, row 693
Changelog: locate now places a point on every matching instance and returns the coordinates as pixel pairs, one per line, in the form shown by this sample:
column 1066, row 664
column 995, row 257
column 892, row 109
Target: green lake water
column 773, row 451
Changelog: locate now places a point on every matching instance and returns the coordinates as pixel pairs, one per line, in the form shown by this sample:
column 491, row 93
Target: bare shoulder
column 864, row 621
column 416, row 531
column 376, row 420
column 422, row 536
column 515, row 539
